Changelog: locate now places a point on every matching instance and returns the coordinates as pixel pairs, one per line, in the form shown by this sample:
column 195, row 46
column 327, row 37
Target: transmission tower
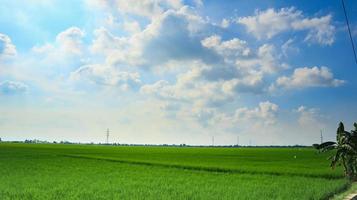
column 107, row 141
column 321, row 137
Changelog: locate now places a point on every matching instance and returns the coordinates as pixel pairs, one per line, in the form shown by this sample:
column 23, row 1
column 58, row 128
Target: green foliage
column 345, row 149
column 46, row 171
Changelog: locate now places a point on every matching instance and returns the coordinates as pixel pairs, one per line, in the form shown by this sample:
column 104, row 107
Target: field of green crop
column 56, row 171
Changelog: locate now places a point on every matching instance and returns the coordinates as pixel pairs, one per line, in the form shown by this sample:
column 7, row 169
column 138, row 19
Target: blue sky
column 172, row 71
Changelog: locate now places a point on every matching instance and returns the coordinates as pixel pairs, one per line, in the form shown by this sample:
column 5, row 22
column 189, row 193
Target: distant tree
column 345, row 150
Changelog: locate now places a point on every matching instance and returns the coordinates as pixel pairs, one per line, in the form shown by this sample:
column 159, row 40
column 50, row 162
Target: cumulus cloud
column 202, row 98
column 320, row 29
column 309, row 118
column 132, row 26
column 308, row 77
column 155, row 88
column 252, row 83
column 146, row 8
column 266, row 112
column 225, row 23
column 172, row 35
column 268, row 59
column 70, row 40
column 56, row 59
column 116, row 50
column 244, row 69
column 175, row 35
column 107, row 75
column 266, row 24
column 105, row 42
column 233, row 47
column 7, row 48
column 12, row 87
column 213, row 84
column 210, row 93
column 180, row 35
column 265, row 60
column 190, row 87
column 68, row 47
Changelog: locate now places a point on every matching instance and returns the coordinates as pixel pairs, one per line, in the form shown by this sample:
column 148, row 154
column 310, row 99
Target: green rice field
column 59, row 171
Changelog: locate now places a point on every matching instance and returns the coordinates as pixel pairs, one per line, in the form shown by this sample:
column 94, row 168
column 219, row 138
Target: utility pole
column 237, row 141
column 322, row 139
column 212, row 140
column 107, row 141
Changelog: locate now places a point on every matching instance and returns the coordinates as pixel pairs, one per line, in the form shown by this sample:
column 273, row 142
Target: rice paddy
column 57, row 171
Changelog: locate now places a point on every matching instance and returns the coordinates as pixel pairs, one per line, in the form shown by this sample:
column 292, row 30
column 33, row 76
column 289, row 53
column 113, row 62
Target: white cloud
column 308, row 77
column 105, row 42
column 132, row 27
column 158, row 88
column 268, row 59
column 233, row 47
column 242, row 119
column 320, row 29
column 309, row 118
column 225, row 23
column 116, row 50
column 265, row 60
column 7, row 48
column 107, row 75
column 56, row 59
column 252, row 83
column 244, row 69
column 147, row 8
column 67, row 48
column 172, row 35
column 266, row 24
column 43, row 49
column 190, row 87
column 266, row 112
column 201, row 95
column 180, row 36
column 70, row 40
column 187, row 91
column 288, row 48
column 12, row 88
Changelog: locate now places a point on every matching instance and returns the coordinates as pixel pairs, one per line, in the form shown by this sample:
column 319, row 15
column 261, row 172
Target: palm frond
column 325, row 145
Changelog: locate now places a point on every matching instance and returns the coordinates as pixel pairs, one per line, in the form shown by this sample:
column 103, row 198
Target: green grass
column 31, row 171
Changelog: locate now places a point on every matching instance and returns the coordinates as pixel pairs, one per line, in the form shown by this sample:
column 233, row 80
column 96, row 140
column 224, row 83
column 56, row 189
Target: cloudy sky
column 172, row 71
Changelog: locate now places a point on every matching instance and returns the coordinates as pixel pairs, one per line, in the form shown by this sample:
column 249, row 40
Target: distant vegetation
column 36, row 141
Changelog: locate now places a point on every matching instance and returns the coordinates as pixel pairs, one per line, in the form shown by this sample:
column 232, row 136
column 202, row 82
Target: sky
column 176, row 71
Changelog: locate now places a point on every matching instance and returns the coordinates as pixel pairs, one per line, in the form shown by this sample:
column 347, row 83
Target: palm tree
column 345, row 150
